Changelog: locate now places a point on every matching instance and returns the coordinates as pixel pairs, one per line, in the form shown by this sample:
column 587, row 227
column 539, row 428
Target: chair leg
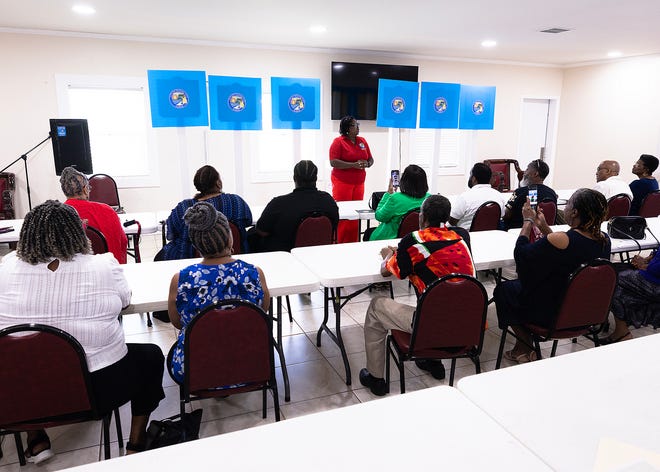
column 537, row 349
column 19, row 448
column 500, row 352
column 288, row 307
column 388, row 353
column 149, row 322
column 264, row 400
column 452, row 371
column 106, row 436
column 391, row 290
column 402, row 375
column 276, row 400
column 477, row 364
column 120, row 436
column 554, row 348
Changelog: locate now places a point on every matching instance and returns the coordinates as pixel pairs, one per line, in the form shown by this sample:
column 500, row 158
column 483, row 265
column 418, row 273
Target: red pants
column 347, row 230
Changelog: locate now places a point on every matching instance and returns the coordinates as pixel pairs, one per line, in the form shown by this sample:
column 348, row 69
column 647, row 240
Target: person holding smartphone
column 534, row 175
column 543, row 266
column 413, row 187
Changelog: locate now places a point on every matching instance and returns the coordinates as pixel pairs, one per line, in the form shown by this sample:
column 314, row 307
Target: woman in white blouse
column 54, row 279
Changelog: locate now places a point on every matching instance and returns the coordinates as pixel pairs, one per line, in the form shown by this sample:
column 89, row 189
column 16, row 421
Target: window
column 274, row 152
column 452, row 149
column 119, row 125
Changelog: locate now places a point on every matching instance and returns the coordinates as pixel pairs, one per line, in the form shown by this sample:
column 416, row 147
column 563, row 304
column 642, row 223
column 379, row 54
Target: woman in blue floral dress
column 217, row 277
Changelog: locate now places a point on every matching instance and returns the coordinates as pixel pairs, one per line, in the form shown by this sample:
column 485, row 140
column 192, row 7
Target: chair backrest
column 549, row 209
column 44, row 376
column 409, row 223
column 96, row 237
column 226, row 344
column 650, row 207
column 104, row 190
column 451, row 313
column 236, row 238
column 314, row 230
column 487, row 217
column 587, row 298
column 618, row 205
column 501, row 169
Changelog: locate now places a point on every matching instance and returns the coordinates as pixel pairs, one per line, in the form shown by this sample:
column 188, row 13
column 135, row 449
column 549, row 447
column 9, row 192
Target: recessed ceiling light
column 489, row 43
column 614, row 54
column 83, row 9
column 317, row 29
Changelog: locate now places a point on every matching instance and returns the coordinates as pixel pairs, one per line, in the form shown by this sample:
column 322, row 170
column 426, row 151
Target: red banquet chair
column 409, row 223
column 583, row 311
column 449, row 323
column 618, row 205
column 487, row 217
column 46, row 384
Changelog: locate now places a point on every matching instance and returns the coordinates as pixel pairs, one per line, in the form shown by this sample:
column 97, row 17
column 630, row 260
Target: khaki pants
column 383, row 314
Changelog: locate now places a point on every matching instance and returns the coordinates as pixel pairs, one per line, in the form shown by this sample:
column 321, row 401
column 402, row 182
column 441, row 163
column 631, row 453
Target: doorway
column 538, row 126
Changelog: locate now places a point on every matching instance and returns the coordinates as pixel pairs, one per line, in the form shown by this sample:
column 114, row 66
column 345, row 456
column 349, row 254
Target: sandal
column 609, row 340
column 44, row 454
column 523, row 358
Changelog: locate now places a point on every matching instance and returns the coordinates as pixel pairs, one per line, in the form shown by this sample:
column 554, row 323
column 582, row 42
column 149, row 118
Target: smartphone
column 533, row 196
column 395, row 178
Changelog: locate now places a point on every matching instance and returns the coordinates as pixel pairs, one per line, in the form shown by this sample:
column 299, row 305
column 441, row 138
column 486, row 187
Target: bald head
column 607, row 169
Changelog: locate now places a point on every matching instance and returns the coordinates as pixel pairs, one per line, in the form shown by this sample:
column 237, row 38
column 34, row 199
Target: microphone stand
column 27, row 177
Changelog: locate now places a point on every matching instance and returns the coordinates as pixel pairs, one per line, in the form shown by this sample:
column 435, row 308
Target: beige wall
column 30, row 63
column 608, row 111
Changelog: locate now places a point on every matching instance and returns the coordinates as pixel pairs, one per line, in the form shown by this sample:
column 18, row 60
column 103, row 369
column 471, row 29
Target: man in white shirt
column 480, row 192
column 608, row 181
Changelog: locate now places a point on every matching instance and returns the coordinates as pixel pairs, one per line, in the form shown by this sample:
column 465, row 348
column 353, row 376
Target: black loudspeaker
column 70, row 139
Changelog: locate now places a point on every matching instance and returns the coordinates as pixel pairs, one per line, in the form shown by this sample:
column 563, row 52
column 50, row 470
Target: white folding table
column 563, row 408
column 432, row 429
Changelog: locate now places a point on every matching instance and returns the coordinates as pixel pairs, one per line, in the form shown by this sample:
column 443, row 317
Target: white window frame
column 65, row 82
column 287, row 146
column 456, row 149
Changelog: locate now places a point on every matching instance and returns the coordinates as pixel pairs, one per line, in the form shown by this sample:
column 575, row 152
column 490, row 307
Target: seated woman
column 41, row 285
column 75, row 186
column 636, row 298
column 217, row 277
column 394, row 205
column 544, row 266
column 207, row 182
column 645, row 183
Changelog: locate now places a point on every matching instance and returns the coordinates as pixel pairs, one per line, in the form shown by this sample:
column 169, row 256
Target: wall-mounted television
column 71, row 144
column 355, row 87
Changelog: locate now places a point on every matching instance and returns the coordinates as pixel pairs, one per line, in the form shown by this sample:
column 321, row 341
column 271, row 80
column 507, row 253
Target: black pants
column 137, row 377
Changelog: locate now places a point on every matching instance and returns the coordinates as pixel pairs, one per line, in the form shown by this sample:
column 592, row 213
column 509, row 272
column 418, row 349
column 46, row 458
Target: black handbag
column 627, row 227
column 168, row 431
column 375, row 199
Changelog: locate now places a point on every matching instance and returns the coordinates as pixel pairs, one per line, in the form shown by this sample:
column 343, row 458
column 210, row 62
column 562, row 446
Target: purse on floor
column 168, row 431
column 627, row 227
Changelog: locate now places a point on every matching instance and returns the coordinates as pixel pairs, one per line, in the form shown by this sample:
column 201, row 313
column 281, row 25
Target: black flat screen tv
column 355, row 87
column 70, row 139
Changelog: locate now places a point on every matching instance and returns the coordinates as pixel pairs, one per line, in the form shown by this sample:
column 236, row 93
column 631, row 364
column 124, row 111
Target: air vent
column 554, row 30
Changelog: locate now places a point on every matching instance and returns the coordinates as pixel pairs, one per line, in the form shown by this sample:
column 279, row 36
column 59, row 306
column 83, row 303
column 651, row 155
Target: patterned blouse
column 202, row 285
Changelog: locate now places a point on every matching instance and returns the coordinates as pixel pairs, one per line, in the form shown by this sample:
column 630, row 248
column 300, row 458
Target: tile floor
column 316, row 375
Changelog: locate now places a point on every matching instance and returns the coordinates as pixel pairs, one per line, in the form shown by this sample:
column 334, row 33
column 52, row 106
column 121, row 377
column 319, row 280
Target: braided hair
column 208, row 229
column 206, row 181
column 345, row 124
column 50, row 231
column 305, row 174
column 591, row 205
column 73, row 182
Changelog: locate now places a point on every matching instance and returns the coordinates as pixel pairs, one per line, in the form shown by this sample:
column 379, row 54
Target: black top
column 281, row 216
column 518, row 198
column 543, row 271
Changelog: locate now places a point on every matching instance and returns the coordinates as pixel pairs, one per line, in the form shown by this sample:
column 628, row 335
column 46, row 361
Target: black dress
column 543, row 272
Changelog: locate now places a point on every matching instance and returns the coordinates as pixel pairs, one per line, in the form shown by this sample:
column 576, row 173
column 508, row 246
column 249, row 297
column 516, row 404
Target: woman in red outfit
column 349, row 156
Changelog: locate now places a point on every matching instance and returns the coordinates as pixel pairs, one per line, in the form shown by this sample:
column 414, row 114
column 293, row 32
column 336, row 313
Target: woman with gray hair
column 75, row 186
column 217, row 277
column 41, row 283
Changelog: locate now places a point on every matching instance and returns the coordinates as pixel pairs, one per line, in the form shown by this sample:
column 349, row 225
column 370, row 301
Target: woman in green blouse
column 394, row 205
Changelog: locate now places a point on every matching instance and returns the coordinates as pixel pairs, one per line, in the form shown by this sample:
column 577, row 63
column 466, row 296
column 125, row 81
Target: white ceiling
column 431, row 28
